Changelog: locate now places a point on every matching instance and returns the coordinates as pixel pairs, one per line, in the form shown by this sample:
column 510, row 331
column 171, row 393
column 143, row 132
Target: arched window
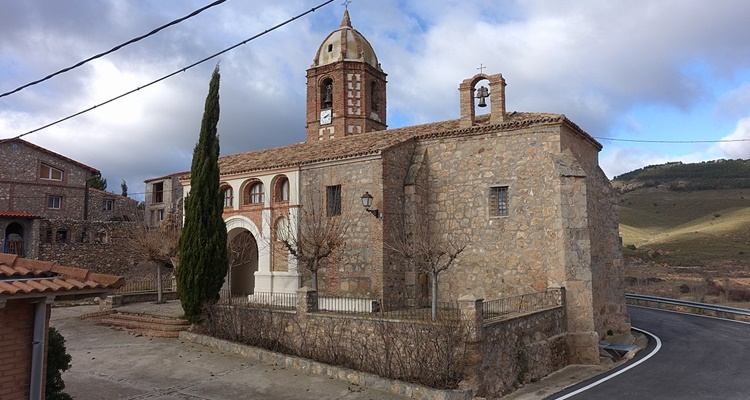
column 228, row 195
column 326, row 93
column 281, row 193
column 255, row 193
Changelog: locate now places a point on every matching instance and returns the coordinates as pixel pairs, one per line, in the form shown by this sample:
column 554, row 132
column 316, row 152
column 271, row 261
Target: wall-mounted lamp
column 367, row 203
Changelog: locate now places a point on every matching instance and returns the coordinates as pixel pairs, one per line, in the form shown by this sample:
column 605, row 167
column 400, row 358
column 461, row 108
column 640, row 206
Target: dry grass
column 688, row 245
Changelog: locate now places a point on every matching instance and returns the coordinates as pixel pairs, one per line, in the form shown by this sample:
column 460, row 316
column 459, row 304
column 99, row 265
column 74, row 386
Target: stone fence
column 489, row 357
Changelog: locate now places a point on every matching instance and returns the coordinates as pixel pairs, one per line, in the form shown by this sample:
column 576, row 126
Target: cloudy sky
column 639, row 72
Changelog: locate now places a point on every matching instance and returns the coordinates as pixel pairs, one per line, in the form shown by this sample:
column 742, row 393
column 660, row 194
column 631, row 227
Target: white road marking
column 629, row 367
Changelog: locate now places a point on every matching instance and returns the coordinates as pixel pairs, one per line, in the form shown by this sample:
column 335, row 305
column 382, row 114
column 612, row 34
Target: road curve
column 700, row 358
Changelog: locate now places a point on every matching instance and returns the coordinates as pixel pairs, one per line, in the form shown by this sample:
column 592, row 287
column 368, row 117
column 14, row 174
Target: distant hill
column 677, row 176
column 687, row 214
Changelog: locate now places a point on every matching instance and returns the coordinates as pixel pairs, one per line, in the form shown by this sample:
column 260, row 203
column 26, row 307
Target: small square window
column 333, row 200
column 498, row 201
column 108, row 205
column 54, row 202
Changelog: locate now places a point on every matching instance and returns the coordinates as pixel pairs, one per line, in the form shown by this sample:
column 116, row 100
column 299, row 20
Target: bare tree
column 319, row 230
column 157, row 245
column 427, row 245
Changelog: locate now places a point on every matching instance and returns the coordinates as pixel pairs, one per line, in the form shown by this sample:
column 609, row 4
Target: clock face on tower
column 325, row 117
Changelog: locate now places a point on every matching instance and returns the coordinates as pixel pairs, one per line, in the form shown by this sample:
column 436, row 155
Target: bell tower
column 345, row 87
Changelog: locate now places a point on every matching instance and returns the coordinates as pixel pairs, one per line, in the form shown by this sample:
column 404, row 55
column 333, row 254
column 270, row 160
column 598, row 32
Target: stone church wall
column 353, row 270
column 509, row 254
column 606, row 247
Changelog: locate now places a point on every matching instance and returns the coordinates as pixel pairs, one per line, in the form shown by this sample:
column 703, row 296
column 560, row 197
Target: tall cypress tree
column 203, row 242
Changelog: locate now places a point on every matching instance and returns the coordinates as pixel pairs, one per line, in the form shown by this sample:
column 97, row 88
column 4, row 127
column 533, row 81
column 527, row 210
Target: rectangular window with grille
column 333, row 200
column 498, row 201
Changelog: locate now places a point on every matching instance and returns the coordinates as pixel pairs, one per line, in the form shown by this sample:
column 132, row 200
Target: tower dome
column 346, row 92
column 345, row 44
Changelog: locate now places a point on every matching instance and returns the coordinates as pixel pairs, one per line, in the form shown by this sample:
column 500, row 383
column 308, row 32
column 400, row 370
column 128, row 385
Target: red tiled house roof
column 18, row 214
column 27, row 278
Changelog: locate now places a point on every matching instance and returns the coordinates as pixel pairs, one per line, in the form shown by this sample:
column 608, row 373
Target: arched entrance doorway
column 14, row 239
column 242, row 252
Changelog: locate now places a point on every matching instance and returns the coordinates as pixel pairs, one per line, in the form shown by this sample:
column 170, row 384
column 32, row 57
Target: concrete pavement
column 112, row 364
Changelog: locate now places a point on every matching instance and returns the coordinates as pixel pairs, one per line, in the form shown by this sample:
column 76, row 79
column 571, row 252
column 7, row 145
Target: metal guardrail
column 692, row 304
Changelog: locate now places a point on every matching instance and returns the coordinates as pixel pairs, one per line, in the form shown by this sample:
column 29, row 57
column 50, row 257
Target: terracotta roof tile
column 18, row 214
column 21, row 276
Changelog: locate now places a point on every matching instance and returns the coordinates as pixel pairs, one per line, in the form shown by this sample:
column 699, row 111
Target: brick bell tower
column 345, row 87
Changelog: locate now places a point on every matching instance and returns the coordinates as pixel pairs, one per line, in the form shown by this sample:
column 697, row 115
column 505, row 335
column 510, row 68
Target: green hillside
column 677, row 176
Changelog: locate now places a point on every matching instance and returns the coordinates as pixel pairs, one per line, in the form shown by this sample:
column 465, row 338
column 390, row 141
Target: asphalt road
column 699, row 358
column 111, row 364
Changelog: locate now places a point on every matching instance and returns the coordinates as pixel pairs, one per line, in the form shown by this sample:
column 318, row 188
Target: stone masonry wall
column 509, row 254
column 606, row 248
column 522, row 350
column 354, row 269
column 97, row 246
column 21, row 188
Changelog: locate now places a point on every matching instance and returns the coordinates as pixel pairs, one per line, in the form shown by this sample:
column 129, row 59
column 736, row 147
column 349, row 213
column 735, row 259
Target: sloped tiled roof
column 375, row 142
column 22, row 277
column 18, row 214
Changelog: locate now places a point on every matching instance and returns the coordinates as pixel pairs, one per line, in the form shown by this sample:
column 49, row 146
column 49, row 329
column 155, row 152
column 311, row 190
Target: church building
column 521, row 194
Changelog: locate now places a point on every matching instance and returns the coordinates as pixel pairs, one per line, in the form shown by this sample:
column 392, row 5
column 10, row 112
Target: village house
column 521, row 191
column 47, row 205
column 163, row 196
column 27, row 290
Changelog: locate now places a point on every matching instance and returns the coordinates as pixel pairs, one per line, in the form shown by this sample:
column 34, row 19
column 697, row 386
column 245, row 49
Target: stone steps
column 143, row 324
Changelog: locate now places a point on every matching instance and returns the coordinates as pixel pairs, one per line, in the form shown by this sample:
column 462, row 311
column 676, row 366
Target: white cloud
column 738, row 149
column 591, row 60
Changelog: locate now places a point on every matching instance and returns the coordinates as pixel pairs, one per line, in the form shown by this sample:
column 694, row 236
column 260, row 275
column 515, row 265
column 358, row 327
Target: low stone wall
column 358, row 378
column 94, row 245
column 521, row 350
column 486, row 359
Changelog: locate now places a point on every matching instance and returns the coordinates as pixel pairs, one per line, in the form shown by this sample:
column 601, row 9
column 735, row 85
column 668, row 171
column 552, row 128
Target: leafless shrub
column 430, row 353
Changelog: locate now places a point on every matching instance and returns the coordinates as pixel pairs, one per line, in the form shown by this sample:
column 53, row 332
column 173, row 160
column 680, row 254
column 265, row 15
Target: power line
column 672, row 141
column 118, row 47
column 180, row 70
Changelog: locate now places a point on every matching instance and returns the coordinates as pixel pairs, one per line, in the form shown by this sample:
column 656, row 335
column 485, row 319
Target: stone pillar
column 307, row 301
column 466, row 100
column 497, row 98
column 471, row 317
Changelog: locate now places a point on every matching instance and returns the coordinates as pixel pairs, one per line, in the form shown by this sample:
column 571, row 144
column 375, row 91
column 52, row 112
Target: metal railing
column 263, row 299
column 146, row 285
column 717, row 308
column 500, row 308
